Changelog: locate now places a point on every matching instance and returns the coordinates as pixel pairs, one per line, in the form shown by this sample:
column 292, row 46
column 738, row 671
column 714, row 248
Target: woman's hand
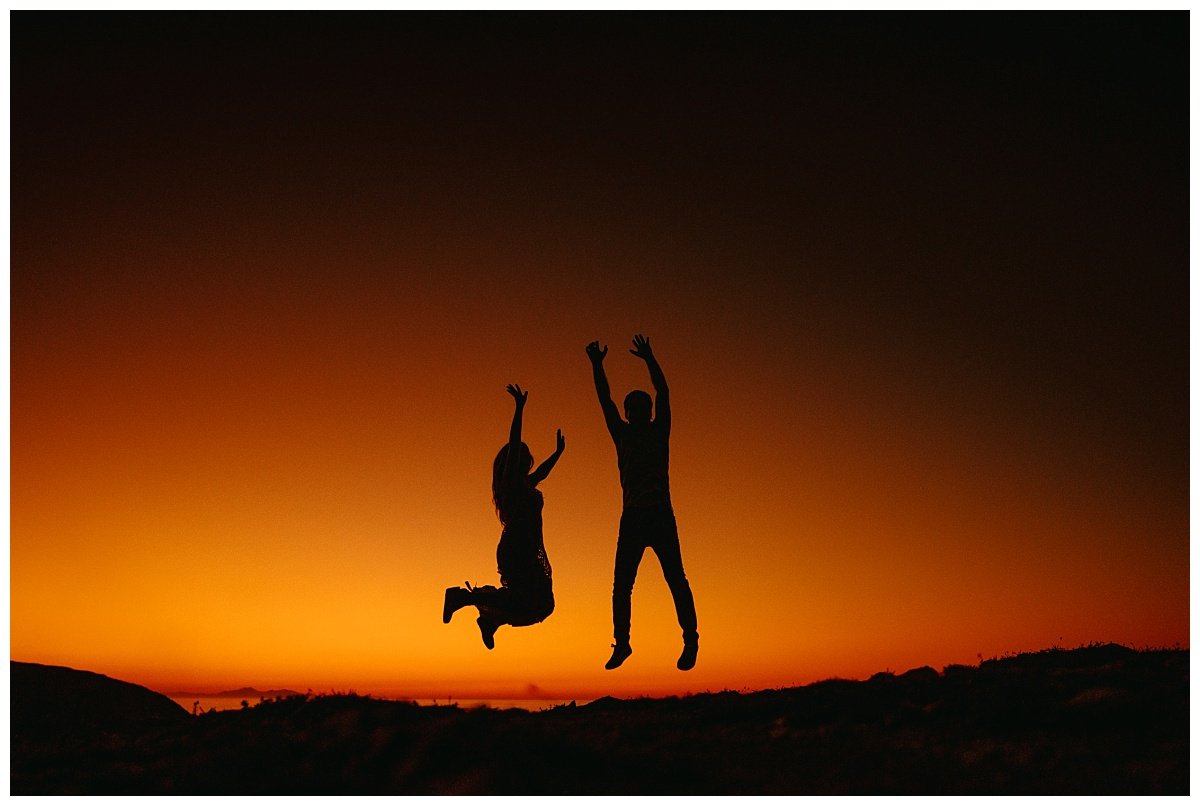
column 561, row 443
column 518, row 395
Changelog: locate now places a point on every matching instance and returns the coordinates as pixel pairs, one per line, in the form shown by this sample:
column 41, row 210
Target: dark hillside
column 54, row 699
column 1096, row 720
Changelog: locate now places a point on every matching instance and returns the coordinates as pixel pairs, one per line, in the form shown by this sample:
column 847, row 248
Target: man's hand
column 641, row 347
column 560, row 442
column 518, row 395
column 595, row 353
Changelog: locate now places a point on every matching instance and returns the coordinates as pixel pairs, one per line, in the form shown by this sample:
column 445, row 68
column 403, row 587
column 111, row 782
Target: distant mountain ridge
column 246, row 691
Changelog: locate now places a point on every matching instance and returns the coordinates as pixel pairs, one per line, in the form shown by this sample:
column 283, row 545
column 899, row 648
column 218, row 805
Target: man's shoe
column 488, row 631
column 455, row 599
column 620, row 653
column 687, row 659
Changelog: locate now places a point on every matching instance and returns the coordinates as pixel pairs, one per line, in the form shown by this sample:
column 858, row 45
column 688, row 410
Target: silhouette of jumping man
column 647, row 519
column 525, row 595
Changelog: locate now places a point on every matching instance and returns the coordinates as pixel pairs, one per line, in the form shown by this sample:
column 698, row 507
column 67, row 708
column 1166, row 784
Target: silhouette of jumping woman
column 525, row 595
column 647, row 518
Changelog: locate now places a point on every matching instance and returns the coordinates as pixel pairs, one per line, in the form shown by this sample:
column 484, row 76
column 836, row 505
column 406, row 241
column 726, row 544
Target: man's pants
column 653, row 528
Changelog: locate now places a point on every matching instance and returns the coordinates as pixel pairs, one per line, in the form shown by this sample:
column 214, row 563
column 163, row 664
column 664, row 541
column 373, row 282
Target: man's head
column 638, row 407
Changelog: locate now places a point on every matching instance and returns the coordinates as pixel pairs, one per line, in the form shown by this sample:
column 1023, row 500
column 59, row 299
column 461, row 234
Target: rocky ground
column 1095, row 720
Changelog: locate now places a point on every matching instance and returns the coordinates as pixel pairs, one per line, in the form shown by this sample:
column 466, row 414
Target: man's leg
column 665, row 543
column 630, row 547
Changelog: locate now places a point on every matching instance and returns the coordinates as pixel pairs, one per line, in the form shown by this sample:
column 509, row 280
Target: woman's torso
column 521, row 555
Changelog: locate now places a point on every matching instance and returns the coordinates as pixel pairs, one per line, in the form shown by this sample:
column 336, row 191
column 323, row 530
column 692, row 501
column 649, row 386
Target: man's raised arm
column 612, row 418
column 662, row 395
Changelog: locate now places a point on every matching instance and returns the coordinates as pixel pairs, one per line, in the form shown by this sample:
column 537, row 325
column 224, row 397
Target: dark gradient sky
column 921, row 278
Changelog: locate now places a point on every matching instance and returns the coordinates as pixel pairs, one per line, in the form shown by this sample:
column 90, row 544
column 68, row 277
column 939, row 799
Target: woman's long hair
column 502, row 495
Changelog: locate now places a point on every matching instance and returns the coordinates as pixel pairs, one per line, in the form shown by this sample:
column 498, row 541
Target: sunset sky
column 919, row 284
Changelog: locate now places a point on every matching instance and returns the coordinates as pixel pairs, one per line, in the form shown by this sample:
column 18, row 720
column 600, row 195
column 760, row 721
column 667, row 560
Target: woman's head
column 524, row 460
column 524, row 463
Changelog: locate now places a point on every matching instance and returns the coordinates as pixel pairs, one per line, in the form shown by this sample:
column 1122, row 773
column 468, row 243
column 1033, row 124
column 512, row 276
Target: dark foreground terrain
column 1095, row 720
